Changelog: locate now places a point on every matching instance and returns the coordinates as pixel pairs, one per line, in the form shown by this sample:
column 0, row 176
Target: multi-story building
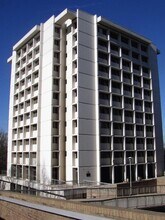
column 84, row 101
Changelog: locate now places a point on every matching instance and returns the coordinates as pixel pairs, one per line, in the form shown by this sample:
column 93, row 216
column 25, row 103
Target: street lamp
column 130, row 174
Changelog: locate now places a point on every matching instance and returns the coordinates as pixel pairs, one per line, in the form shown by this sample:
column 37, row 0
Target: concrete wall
column 10, row 211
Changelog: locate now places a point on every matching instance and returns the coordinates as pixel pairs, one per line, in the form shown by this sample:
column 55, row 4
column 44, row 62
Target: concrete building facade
column 84, row 101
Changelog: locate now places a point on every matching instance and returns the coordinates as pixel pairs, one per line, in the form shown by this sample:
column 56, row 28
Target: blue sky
column 146, row 17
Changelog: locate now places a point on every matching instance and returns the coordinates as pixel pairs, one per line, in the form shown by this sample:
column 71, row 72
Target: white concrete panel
column 86, row 66
column 47, row 72
column 47, row 58
column 83, row 174
column 87, row 142
column 85, row 16
column 86, row 96
column 46, row 99
column 86, row 53
column 86, row 40
column 87, row 111
column 87, row 126
column 87, row 158
column 86, row 27
column 47, row 85
column 86, row 81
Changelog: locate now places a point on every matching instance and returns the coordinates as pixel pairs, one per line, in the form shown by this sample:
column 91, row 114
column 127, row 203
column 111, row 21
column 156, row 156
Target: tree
column 3, row 152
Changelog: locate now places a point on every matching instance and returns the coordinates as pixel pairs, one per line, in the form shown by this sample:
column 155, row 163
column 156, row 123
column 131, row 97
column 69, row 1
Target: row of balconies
column 120, row 115
column 27, row 83
column 111, row 100
column 109, row 35
column 23, row 172
column 109, row 47
column 122, row 129
column 121, row 63
column 24, row 159
column 126, row 78
column 120, row 160
column 126, row 90
column 27, row 68
column 27, row 106
column 32, row 45
column 27, row 58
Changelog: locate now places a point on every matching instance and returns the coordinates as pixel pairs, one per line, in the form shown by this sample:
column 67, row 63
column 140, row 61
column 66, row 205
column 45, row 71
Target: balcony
column 34, row 133
column 26, row 161
column 116, row 90
column 104, row 116
column 105, row 146
column 33, row 161
column 150, row 159
column 104, row 101
column 139, row 133
column 115, row 64
column 55, row 131
column 129, row 119
column 140, row 146
column 103, row 74
column 118, row 132
column 103, row 60
column 105, row 161
column 117, row 118
column 27, row 134
column 27, row 121
column 118, row 146
column 75, row 162
column 141, row 159
column 26, row 147
column 55, row 162
column 33, row 147
column 104, row 87
column 105, row 131
column 149, row 134
column 118, row 161
column 103, row 47
column 127, row 93
column 129, row 146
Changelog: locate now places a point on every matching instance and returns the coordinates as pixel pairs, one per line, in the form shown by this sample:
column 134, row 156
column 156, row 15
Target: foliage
column 3, row 152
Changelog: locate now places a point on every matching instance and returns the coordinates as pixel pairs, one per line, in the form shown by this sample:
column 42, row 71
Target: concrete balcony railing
column 104, row 116
column 55, row 162
column 104, row 88
column 140, row 146
column 118, row 161
column 117, row 131
column 105, row 161
column 150, row 159
column 26, row 161
column 101, row 60
column 33, row 161
column 33, row 147
column 105, row 146
column 75, row 162
column 104, row 74
column 103, row 48
column 104, row 102
column 129, row 146
column 26, row 148
column 105, row 131
column 27, row 134
column 117, row 65
column 117, row 104
column 141, row 159
column 118, row 146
